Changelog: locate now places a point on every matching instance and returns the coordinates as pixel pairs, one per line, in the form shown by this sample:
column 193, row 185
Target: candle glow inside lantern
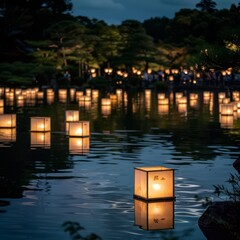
column 7, row 120
column 71, row 116
column 163, row 109
column 40, row 124
column 40, row 139
column 157, row 215
column 79, row 129
column 226, row 109
column 154, row 183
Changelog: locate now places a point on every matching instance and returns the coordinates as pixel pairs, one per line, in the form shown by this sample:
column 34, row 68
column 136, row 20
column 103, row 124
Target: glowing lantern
column 206, row 97
column 182, row 100
column 50, row 96
column 178, row 95
column 163, row 101
column 7, row 120
column 95, row 93
column 106, row 110
column 148, row 92
column 161, row 96
column 156, row 215
column 79, row 94
column 1, row 92
column 226, row 100
column 154, row 183
column 72, row 93
column 79, row 145
column 182, row 107
column 79, row 129
column 62, row 95
column 88, row 92
column 171, row 78
column 1, row 103
column 163, row 108
column 226, row 109
column 71, row 116
column 40, row 139
column 106, row 102
column 235, row 95
column 40, row 95
column 221, row 96
column 40, row 124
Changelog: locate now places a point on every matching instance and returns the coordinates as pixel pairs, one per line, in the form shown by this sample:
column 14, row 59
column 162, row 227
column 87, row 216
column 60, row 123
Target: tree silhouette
column 206, row 5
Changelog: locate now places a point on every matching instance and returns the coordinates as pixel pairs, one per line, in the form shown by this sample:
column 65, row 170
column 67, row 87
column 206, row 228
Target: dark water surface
column 94, row 186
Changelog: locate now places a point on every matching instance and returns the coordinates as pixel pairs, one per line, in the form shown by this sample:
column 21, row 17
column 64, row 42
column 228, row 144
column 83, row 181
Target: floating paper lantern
column 40, row 124
column 221, row 96
column 71, row 116
column 161, row 96
column 226, row 109
column 157, row 215
column 106, row 102
column 79, row 129
column 182, row 107
column 95, row 94
column 62, row 95
column 163, row 101
column 163, row 109
column 8, row 120
column 152, row 183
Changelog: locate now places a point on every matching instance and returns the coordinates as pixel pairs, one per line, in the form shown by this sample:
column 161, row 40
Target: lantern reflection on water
column 226, row 121
column 40, row 124
column 154, row 183
column 7, row 120
column 40, row 140
column 156, row 215
column 79, row 145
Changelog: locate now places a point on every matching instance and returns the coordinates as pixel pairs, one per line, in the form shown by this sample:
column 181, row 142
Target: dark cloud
column 116, row 11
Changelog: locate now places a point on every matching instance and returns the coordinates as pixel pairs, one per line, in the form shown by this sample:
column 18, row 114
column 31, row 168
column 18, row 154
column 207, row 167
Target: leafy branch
column 234, row 193
column 73, row 228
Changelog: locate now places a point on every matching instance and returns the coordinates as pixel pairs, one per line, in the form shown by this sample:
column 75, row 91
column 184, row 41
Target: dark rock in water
column 221, row 221
column 236, row 165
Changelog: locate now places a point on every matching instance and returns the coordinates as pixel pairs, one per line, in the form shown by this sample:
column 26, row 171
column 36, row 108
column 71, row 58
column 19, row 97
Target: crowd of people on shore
column 186, row 77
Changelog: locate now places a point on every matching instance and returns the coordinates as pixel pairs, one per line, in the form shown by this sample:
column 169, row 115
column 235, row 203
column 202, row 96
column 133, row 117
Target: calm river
column 46, row 184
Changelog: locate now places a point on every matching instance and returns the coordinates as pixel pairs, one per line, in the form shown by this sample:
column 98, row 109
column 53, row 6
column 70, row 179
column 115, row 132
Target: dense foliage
column 45, row 33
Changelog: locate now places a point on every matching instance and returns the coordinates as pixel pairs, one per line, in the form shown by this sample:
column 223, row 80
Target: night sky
column 116, row 11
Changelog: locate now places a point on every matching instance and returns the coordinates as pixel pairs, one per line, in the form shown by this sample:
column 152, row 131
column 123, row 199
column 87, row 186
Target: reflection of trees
column 191, row 133
column 20, row 164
